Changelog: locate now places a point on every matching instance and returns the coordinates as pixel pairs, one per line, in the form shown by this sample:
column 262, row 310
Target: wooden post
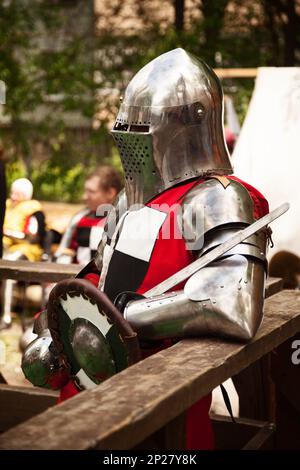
column 254, row 384
column 21, row 403
column 286, row 375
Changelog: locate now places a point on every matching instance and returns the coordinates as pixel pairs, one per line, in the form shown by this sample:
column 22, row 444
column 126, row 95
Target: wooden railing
column 144, row 406
column 37, row 272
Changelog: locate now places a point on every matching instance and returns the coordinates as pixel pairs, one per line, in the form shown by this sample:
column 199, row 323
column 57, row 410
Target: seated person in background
column 80, row 241
column 230, row 140
column 287, row 266
column 24, row 231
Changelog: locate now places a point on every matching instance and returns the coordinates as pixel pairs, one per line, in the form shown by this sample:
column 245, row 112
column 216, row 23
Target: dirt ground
column 10, row 359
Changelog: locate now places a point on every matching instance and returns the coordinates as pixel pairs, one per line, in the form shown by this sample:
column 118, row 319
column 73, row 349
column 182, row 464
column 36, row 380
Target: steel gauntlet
column 40, row 362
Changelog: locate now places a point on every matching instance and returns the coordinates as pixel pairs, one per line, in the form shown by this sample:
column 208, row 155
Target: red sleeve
column 93, row 278
column 260, row 204
column 67, row 391
column 74, row 243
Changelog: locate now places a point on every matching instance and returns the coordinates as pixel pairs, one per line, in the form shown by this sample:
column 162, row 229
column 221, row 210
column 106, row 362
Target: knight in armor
column 169, row 133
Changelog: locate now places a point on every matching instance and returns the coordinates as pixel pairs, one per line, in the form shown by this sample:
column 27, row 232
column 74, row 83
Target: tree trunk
column 290, row 32
column 179, row 7
column 213, row 17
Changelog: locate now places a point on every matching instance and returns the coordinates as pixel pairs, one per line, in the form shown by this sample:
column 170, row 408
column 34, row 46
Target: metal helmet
column 170, row 125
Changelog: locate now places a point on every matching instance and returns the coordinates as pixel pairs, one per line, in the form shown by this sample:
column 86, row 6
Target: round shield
column 93, row 339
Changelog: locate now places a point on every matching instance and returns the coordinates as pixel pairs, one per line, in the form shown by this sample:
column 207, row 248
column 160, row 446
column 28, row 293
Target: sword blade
column 214, row 254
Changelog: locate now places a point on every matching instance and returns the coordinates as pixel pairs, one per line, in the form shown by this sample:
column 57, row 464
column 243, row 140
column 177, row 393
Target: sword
column 214, row 254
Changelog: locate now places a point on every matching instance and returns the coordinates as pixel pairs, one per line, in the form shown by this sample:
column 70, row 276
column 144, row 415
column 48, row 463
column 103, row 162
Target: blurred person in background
column 24, row 232
column 83, row 234
column 230, row 139
column 286, row 265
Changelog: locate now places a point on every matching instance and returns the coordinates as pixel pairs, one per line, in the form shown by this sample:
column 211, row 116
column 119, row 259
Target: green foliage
column 47, row 76
column 50, row 75
column 52, row 184
column 14, row 170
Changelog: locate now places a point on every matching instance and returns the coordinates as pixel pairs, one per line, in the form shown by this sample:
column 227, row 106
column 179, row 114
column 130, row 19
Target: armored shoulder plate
column 216, row 204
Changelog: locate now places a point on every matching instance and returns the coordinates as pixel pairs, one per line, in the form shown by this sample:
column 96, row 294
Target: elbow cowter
column 223, row 299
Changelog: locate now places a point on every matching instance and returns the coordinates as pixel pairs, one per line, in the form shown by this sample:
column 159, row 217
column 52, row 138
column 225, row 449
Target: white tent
column 267, row 153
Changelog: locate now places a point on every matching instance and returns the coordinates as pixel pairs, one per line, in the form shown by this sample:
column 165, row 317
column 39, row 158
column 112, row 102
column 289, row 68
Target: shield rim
column 82, row 287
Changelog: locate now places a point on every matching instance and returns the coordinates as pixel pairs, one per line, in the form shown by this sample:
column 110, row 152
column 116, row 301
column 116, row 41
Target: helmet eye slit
column 139, row 128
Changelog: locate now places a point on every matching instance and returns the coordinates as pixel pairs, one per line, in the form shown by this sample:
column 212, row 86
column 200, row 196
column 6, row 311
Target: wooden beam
column 273, row 285
column 37, row 272
column 54, row 272
column 253, row 384
column 17, row 404
column 132, row 405
column 244, row 434
column 2, row 379
column 236, row 73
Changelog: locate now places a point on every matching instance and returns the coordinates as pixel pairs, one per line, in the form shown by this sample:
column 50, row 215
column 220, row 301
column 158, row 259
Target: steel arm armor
column 224, row 298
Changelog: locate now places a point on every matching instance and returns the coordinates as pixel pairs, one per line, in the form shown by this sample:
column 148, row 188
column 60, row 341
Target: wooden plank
column 244, row 434
column 273, row 285
column 286, row 378
column 17, row 404
column 236, row 73
column 37, row 272
column 254, row 388
column 132, row 405
column 54, row 272
column 2, row 379
column 170, row 437
column 254, row 384
column 263, row 440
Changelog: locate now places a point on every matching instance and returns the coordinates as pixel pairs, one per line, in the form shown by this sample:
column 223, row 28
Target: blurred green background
column 65, row 64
